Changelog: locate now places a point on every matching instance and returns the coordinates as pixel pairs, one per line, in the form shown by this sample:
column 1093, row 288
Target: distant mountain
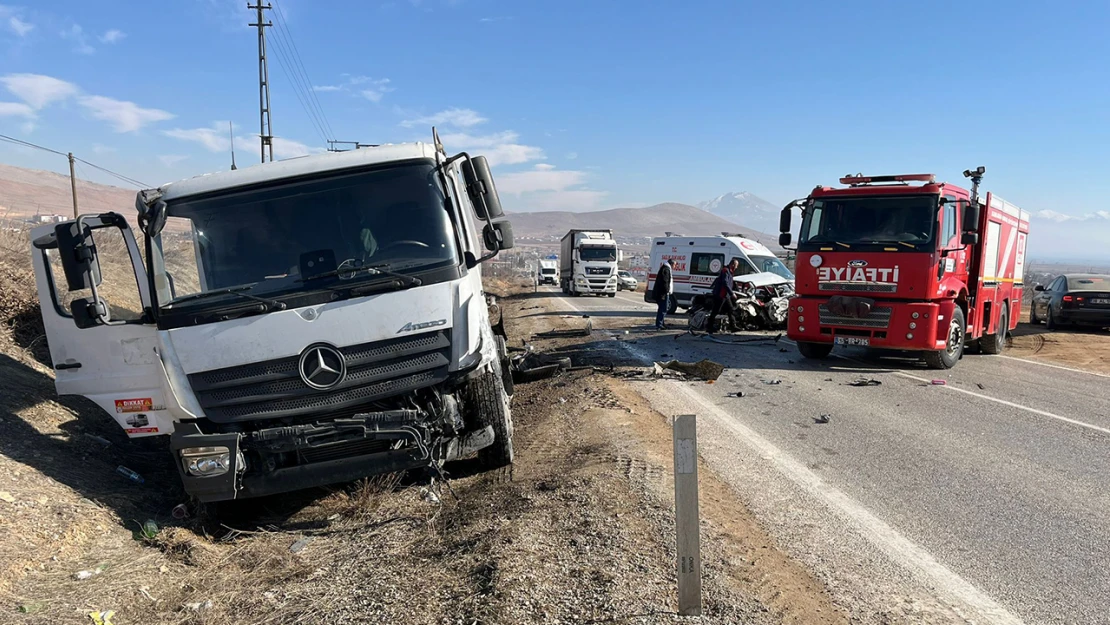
column 25, row 193
column 651, row 221
column 745, row 208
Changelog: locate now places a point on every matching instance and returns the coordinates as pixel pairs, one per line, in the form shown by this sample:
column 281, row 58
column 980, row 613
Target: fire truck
column 904, row 262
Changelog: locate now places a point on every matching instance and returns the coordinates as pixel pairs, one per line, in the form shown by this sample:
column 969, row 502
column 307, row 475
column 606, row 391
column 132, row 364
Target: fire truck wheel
column 995, row 343
column 817, row 351
column 485, row 396
column 948, row 357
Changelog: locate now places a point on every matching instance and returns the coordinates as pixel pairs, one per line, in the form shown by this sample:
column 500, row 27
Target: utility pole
column 73, row 184
column 266, row 134
column 231, row 134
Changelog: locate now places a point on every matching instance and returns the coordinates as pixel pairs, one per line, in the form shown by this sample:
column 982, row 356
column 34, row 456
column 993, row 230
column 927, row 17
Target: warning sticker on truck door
column 142, row 404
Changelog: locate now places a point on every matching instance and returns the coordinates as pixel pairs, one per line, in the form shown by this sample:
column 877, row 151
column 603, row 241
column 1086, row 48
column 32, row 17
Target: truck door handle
column 70, row 365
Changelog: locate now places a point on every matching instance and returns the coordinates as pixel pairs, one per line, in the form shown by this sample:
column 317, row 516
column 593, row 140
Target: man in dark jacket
column 662, row 292
column 721, row 290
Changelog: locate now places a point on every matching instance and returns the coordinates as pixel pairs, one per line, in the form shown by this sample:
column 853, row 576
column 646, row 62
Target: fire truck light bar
column 859, row 179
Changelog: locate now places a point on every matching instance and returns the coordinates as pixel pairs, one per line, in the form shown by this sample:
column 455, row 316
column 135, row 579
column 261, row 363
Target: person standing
column 721, row 290
column 662, row 291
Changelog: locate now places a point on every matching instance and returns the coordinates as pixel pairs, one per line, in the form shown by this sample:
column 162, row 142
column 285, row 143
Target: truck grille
column 275, row 389
column 859, row 287
column 598, row 271
column 877, row 318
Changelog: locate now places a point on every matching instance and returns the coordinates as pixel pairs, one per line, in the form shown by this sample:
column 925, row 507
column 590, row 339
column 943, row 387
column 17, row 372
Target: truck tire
column 816, row 351
column 948, row 357
column 488, row 404
column 506, row 365
column 612, row 295
column 994, row 343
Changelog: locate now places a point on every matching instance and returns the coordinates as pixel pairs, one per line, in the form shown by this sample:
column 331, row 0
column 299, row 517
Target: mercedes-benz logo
column 322, row 366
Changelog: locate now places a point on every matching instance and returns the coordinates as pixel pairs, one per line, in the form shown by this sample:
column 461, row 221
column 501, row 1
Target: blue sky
column 585, row 105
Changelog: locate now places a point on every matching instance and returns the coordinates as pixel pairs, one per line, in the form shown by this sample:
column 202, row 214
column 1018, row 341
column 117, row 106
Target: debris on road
column 736, row 394
column 981, row 386
column 825, row 418
column 6, row 496
column 938, row 383
column 704, row 369
column 180, row 511
column 102, row 618
column 299, row 544
column 866, row 382
column 99, row 439
column 129, row 474
column 560, row 334
column 530, row 365
column 772, row 382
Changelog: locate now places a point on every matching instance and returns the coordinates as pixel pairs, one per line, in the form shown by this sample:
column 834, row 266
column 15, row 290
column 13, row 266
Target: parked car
column 626, row 281
column 1072, row 299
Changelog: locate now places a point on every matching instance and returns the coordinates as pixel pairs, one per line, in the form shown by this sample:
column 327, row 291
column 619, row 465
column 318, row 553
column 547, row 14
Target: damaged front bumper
column 287, row 458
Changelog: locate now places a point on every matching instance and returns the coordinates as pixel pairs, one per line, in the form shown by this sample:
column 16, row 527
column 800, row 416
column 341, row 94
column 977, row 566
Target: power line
column 93, row 165
column 30, row 145
column 137, row 183
column 289, row 70
column 283, row 24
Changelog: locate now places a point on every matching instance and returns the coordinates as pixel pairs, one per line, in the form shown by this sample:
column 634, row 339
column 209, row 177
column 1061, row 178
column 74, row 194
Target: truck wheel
column 506, row 365
column 994, row 343
column 488, row 403
column 950, row 355
column 816, row 351
column 612, row 295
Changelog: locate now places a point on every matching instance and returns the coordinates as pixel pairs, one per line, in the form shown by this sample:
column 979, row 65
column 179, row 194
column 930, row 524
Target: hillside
column 746, row 208
column 651, row 221
column 25, row 193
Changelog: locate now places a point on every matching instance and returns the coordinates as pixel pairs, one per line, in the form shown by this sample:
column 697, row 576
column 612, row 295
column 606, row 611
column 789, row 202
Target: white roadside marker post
column 687, row 522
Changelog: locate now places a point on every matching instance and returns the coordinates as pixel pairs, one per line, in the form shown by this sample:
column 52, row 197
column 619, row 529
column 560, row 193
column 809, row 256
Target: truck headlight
column 206, row 461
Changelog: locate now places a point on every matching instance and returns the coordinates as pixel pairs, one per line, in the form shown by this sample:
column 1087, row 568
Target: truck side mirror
column 971, row 219
column 480, row 187
column 77, row 252
column 498, row 235
column 969, row 238
column 784, row 218
column 785, row 239
column 89, row 313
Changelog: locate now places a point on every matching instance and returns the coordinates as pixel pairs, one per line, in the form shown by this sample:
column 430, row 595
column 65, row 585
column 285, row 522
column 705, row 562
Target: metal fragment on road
column 865, row 382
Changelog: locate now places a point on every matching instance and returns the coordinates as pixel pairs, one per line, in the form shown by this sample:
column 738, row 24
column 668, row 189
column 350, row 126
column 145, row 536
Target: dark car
column 1073, row 299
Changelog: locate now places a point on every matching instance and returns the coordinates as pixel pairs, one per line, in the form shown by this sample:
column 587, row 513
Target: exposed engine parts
column 757, row 308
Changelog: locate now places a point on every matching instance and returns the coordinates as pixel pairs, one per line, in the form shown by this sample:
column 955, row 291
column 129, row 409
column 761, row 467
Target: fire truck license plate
column 852, row 340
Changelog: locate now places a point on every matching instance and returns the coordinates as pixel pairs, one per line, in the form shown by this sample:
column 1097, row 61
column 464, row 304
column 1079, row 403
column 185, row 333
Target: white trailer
column 588, row 263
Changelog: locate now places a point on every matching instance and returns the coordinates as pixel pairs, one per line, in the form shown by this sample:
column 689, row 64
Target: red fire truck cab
column 905, row 262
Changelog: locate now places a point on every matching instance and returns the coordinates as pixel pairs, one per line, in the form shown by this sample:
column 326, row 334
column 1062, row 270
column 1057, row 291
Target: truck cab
column 588, row 263
column 303, row 322
column 908, row 263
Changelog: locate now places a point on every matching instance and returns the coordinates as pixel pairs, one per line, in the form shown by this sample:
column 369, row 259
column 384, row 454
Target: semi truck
column 326, row 322
column 588, row 263
column 548, row 272
column 904, row 262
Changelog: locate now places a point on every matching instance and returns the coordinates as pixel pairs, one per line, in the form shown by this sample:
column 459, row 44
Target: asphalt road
column 982, row 500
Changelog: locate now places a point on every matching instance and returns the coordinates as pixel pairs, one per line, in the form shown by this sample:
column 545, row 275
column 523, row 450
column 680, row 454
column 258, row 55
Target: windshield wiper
column 233, row 290
column 380, row 269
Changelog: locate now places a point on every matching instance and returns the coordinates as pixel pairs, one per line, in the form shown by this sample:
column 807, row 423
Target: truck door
column 115, row 364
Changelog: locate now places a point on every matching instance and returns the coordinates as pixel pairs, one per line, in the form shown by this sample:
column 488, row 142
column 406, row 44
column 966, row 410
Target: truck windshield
column 597, row 254
column 276, row 236
column 849, row 221
column 549, row 270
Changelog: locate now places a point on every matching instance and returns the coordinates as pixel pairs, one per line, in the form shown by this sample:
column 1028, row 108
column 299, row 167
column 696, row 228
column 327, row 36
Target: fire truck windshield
column 908, row 221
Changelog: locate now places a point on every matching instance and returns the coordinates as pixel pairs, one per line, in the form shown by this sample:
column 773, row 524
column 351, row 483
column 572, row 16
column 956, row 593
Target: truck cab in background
column 548, row 272
column 588, row 263
column 303, row 322
column 906, row 263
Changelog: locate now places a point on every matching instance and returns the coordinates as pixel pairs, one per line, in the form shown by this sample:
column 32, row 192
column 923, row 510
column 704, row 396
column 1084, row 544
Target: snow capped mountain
column 745, row 209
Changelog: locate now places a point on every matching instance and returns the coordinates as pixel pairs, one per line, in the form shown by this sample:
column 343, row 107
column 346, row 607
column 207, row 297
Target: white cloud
column 459, row 118
column 38, row 90
column 122, row 115
column 76, row 34
column 112, row 36
column 100, row 148
column 1052, row 215
column 572, row 155
column 20, row 27
column 327, row 88
column 213, row 139
column 544, row 187
column 16, row 109
column 169, row 160
column 373, row 89
column 27, row 128
column 500, row 148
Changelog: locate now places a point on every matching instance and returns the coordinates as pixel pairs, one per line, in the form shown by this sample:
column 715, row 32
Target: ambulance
column 699, row 259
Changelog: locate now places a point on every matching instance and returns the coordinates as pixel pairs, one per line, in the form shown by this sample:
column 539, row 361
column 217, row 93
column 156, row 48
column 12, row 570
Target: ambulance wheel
column 672, row 306
column 994, row 343
column 816, row 351
column 951, row 354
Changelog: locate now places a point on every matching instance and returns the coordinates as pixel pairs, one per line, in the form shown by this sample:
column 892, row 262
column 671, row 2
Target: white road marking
column 1046, row 364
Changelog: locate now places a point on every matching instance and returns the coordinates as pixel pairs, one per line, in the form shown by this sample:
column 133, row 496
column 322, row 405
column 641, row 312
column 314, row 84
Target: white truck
column 588, row 263
column 548, row 272
column 333, row 325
